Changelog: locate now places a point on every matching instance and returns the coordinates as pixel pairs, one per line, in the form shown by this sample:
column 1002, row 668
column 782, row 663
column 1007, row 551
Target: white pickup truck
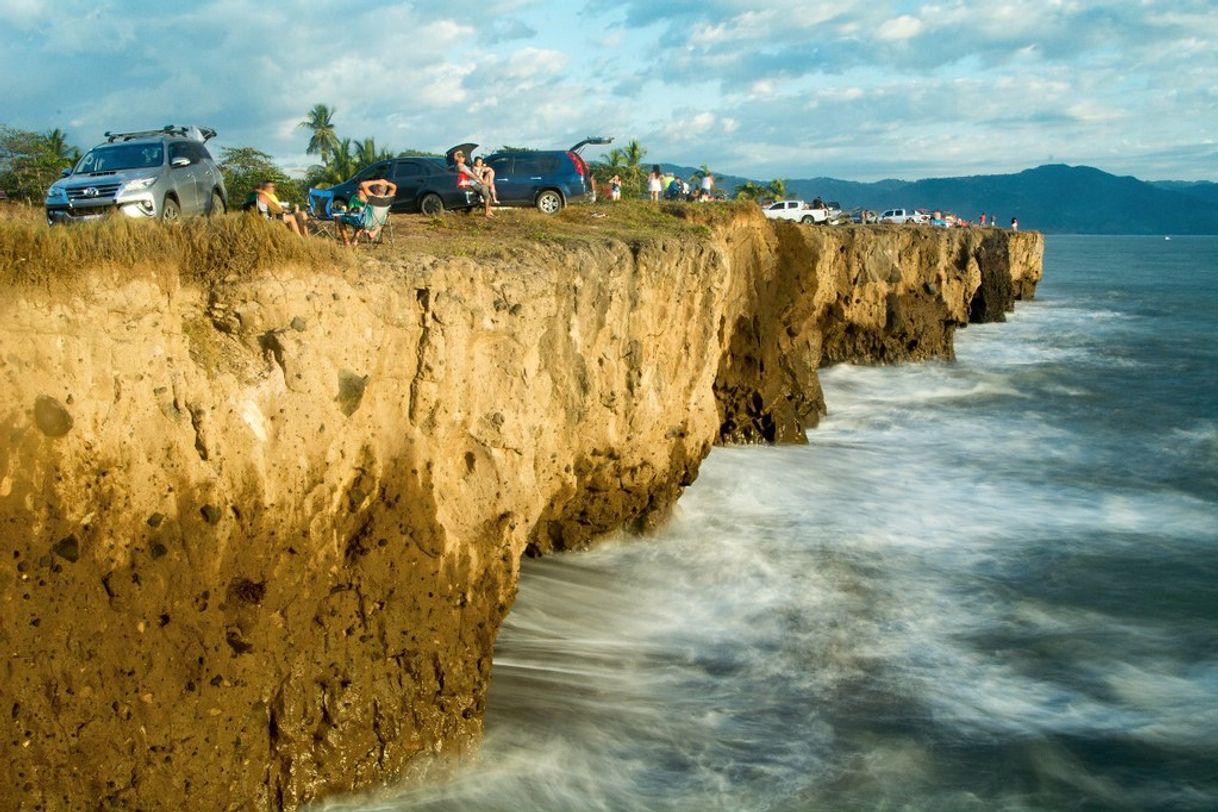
column 796, row 210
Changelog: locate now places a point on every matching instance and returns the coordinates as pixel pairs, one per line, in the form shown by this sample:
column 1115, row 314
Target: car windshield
column 121, row 156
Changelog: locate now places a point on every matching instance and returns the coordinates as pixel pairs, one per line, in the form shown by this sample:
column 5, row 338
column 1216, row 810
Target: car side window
column 374, row 171
column 408, row 169
column 177, row 149
column 536, row 165
column 198, row 152
column 502, row 166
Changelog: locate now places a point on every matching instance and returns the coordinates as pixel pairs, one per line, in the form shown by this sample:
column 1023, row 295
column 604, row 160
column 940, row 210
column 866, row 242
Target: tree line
column 31, row 161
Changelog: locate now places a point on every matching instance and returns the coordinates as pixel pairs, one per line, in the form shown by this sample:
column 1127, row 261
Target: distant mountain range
column 1053, row 198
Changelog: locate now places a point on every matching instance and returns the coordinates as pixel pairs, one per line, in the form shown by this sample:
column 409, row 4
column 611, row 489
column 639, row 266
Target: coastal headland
column 259, row 529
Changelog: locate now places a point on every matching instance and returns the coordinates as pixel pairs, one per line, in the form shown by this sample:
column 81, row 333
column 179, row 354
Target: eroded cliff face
column 258, row 539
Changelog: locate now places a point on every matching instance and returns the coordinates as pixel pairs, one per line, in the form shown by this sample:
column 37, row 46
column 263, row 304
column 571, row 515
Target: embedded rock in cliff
column 260, row 536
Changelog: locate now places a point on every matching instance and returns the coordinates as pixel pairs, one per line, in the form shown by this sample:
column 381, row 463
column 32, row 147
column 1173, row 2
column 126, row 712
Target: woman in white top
column 655, row 184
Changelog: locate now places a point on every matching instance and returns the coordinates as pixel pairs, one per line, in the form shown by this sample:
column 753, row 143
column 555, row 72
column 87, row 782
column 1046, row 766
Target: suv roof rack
column 197, row 133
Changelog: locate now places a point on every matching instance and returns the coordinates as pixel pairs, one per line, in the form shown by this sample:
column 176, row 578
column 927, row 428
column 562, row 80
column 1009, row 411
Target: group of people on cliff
column 699, row 187
column 377, row 193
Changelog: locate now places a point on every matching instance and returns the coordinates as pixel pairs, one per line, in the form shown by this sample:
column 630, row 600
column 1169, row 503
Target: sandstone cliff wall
column 258, row 538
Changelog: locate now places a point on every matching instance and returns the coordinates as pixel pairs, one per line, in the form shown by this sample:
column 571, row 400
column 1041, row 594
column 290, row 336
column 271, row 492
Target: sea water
column 987, row 584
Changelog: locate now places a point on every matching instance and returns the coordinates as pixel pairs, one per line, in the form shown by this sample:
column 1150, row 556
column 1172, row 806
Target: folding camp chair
column 321, row 213
column 370, row 221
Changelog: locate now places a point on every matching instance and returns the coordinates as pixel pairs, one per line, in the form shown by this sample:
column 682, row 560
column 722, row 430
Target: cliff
column 259, row 534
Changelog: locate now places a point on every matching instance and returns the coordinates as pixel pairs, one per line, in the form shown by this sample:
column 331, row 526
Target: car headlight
column 57, row 194
column 138, row 184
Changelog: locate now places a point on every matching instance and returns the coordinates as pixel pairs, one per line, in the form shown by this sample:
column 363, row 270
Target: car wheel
column 549, row 202
column 431, row 204
column 171, row 212
column 809, row 219
column 217, row 204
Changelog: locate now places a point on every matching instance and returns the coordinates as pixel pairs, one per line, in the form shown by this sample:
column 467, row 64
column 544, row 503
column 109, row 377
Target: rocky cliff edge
column 259, row 535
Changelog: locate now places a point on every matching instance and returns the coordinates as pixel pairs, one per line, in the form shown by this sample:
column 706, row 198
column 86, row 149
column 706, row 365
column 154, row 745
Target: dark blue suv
column 547, row 179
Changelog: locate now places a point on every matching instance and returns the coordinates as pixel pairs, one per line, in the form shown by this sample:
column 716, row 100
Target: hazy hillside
column 1052, row 198
column 1203, row 190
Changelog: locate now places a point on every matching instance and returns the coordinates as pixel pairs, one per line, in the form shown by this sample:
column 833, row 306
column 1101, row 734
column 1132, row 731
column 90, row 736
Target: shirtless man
column 371, row 192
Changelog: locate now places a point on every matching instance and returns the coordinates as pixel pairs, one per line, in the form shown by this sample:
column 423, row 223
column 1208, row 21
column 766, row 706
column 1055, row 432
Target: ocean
column 987, row 584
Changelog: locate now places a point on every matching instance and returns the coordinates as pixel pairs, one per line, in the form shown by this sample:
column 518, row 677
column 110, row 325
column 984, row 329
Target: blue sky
column 854, row 90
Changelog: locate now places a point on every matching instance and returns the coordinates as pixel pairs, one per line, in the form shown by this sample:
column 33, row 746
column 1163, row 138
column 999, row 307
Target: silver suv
column 165, row 174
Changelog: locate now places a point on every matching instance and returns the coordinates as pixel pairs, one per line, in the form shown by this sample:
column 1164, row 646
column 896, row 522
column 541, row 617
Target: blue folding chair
column 321, row 212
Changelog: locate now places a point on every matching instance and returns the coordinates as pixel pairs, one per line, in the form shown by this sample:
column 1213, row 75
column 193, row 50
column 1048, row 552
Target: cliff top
column 237, row 246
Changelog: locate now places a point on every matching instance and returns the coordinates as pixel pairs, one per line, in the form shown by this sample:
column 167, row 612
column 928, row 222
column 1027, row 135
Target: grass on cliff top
column 209, row 251
column 472, row 235
column 32, row 254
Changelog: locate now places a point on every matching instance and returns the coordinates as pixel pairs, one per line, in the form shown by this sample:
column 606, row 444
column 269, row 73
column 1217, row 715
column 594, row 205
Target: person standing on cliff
column 655, row 184
column 1014, row 224
column 708, row 185
column 615, row 188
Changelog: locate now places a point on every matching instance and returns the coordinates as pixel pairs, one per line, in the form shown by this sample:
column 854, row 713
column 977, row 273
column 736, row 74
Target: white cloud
column 532, row 63
column 900, row 28
column 22, row 13
column 828, row 87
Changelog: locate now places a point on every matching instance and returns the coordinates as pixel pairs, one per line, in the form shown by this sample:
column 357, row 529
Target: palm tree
column 777, row 189
column 626, row 163
column 343, row 163
column 634, row 159
column 366, row 152
column 56, row 142
column 324, row 140
column 750, row 191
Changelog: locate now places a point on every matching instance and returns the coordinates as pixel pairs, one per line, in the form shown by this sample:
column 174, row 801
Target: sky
column 792, row 89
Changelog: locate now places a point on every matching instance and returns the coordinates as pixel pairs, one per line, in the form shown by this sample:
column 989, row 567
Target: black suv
column 547, row 179
column 424, row 185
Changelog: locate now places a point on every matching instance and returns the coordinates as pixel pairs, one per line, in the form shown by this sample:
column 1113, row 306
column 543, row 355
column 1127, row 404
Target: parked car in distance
column 425, row 185
column 545, row 179
column 155, row 174
column 796, row 210
column 905, row 216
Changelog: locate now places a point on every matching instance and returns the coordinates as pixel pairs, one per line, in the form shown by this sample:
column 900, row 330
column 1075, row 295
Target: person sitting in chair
column 374, row 193
column 268, row 205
